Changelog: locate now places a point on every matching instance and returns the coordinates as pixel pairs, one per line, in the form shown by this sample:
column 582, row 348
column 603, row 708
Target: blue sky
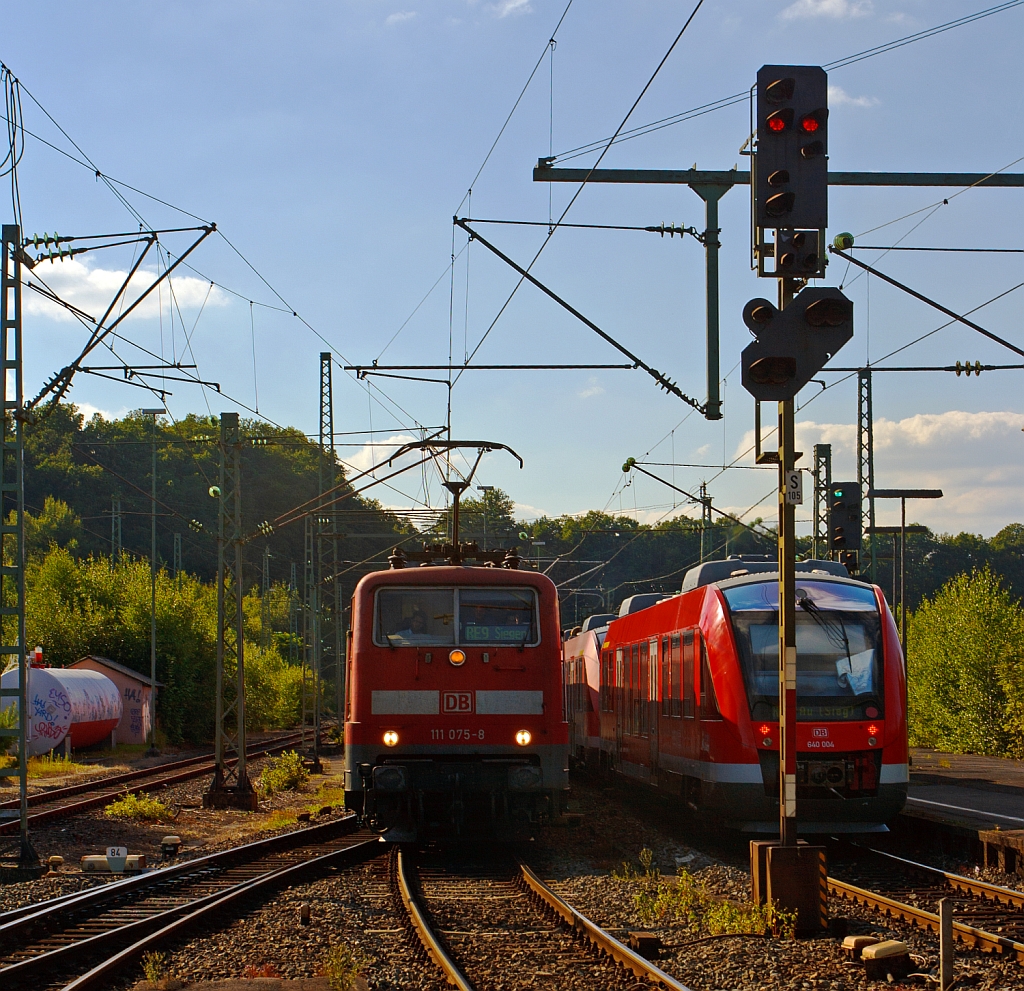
column 332, row 142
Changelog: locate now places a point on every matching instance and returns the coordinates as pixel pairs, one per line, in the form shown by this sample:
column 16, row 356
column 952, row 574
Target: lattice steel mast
column 231, row 786
column 822, row 483
column 12, row 504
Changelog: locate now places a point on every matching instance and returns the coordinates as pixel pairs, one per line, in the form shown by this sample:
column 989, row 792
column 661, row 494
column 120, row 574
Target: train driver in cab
column 416, row 630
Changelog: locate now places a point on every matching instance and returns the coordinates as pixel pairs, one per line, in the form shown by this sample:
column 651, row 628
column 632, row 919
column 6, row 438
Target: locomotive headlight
column 457, row 657
column 523, row 737
column 390, row 738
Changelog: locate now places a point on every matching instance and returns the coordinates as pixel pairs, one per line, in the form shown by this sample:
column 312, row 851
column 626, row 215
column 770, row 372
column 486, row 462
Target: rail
column 604, row 941
column 105, row 789
column 425, row 933
column 47, row 937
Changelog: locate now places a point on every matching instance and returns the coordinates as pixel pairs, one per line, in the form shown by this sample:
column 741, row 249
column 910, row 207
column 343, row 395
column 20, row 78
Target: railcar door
column 619, row 701
column 654, row 663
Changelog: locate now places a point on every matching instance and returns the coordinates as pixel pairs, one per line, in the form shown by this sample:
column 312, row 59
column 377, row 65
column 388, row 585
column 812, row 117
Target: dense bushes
column 76, row 607
column 966, row 683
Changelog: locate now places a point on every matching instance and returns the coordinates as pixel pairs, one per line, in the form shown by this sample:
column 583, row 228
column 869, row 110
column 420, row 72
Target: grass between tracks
column 53, row 766
column 684, row 898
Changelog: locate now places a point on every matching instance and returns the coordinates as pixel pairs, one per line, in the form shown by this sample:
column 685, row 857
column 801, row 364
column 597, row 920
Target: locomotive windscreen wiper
column 842, row 640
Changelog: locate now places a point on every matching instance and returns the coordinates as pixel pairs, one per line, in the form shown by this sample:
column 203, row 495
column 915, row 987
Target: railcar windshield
column 838, row 643
column 446, row 616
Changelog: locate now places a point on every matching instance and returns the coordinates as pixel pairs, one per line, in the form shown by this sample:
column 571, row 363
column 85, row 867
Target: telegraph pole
column 116, row 545
column 152, row 752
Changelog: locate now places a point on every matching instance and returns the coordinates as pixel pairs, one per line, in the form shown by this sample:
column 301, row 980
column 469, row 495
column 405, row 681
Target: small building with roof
column 135, row 689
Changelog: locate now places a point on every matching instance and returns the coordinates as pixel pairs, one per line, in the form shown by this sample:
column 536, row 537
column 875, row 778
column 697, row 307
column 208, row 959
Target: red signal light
column 873, row 730
column 765, row 729
column 781, row 120
column 809, row 124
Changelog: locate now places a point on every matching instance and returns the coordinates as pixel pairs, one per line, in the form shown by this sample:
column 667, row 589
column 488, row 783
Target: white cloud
column 827, row 8
column 703, row 450
column 89, row 411
column 524, row 511
column 594, row 388
column 837, row 96
column 399, row 17
column 367, row 456
column 505, row 7
column 92, row 289
column 975, row 458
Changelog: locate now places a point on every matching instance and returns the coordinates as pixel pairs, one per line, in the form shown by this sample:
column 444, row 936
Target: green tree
column 966, row 690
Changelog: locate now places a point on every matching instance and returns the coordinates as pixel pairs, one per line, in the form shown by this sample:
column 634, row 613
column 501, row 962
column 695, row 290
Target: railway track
column 985, row 916
column 492, row 924
column 62, row 802
column 88, row 938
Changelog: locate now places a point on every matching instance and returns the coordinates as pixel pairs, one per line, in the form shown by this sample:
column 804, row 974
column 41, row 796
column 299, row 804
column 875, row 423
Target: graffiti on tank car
column 48, row 729
column 60, row 699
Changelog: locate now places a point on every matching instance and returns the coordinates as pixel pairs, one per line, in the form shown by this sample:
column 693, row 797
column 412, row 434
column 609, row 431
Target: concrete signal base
column 795, row 878
column 232, row 798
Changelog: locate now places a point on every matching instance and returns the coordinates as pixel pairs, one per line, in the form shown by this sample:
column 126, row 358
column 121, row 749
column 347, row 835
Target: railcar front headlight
column 457, row 657
column 390, row 738
column 523, row 737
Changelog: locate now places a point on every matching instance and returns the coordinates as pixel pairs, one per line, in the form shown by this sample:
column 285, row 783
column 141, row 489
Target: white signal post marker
column 795, row 488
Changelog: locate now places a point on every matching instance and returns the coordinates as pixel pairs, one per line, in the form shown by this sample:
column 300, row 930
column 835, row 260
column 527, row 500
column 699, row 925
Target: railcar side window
column 497, row 616
column 688, row 676
column 408, row 616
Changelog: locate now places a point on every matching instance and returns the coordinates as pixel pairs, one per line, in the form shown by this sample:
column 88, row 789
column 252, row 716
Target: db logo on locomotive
column 457, row 702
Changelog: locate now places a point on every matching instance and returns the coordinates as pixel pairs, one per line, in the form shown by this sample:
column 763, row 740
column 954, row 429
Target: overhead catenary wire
column 582, row 185
column 85, row 161
column 742, row 97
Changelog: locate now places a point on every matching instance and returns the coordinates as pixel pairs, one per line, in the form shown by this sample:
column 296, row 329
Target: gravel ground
column 578, row 861
column 498, row 934
column 202, row 831
column 353, row 906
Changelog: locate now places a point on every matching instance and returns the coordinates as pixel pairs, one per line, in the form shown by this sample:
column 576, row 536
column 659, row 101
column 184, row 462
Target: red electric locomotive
column 682, row 695
column 453, row 718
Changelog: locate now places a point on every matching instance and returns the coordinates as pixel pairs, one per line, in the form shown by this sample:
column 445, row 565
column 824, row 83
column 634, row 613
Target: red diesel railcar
column 683, row 697
column 453, row 721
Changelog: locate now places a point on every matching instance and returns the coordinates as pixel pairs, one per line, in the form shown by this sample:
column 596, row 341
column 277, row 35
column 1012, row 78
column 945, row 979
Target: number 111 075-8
column 456, row 734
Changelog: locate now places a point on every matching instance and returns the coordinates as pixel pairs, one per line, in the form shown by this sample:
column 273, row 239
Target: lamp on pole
column 903, row 495
column 152, row 752
column 485, row 489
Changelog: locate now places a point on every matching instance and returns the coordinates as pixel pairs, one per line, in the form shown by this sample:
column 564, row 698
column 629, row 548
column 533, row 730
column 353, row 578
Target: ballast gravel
column 352, row 907
column 579, row 863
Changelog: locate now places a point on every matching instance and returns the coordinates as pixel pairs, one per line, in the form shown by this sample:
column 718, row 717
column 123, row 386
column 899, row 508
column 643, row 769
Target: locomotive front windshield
column 446, row 616
column 838, row 644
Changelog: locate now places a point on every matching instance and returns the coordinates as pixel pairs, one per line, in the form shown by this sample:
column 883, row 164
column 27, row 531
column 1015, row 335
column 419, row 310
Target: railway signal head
column 794, row 344
column 797, row 254
column 791, row 165
column 845, row 526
